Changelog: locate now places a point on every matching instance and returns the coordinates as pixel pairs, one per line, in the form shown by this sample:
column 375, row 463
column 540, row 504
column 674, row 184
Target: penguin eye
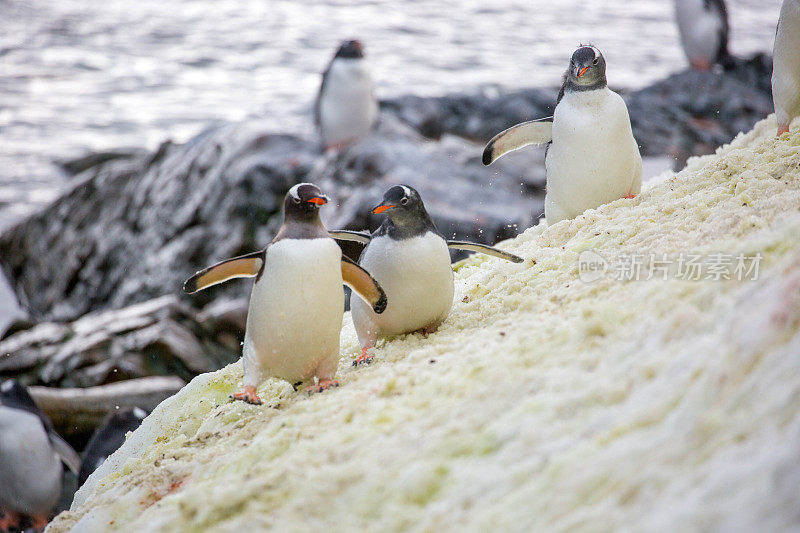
column 595, row 61
column 404, row 201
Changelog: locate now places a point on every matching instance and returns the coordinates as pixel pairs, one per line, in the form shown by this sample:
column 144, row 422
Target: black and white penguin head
column 352, row 49
column 303, row 201
column 587, row 69
column 405, row 209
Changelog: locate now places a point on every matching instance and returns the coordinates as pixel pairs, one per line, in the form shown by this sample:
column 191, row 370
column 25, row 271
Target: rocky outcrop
column 163, row 336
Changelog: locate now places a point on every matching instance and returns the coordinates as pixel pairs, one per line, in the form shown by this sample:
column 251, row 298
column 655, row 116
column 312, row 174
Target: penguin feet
column 629, row 196
column 322, row 385
column 700, row 64
column 429, row 330
column 8, row 520
column 783, row 128
column 364, row 358
column 248, row 395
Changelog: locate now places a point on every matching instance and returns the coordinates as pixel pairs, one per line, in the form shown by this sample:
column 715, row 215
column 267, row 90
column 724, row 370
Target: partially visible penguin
column 346, row 108
column 703, row 26
column 786, row 66
column 31, row 453
column 297, row 302
column 410, row 259
column 107, row 438
column 592, row 158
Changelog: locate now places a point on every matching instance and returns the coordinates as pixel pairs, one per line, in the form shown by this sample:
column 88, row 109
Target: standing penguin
column 30, row 459
column 107, row 438
column 410, row 259
column 346, row 108
column 593, row 158
column 703, row 25
column 297, row 302
column 786, row 66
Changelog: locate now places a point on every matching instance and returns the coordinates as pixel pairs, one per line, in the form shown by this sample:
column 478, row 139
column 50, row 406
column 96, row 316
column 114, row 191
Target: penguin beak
column 382, row 208
column 582, row 71
column 319, row 200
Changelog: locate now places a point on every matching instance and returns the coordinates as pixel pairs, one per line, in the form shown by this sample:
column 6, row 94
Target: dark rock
column 160, row 337
column 80, row 164
column 134, row 229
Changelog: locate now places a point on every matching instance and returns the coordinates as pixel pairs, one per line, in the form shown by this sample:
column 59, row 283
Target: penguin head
column 407, row 215
column 303, row 201
column 352, row 49
column 587, row 68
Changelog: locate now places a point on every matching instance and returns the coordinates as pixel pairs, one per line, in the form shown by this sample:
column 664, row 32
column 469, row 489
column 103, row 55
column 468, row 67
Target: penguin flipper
column 346, row 235
column 363, row 284
column 532, row 132
column 66, row 452
column 244, row 266
column 482, row 248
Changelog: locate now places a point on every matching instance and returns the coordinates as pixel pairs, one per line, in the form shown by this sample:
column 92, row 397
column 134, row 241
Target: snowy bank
column 543, row 403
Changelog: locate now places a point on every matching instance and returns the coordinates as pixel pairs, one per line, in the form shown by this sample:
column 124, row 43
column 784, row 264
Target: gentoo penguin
column 30, row 459
column 346, row 108
column 786, row 66
column 592, row 158
column 410, row 259
column 107, row 438
column 297, row 302
column 703, row 25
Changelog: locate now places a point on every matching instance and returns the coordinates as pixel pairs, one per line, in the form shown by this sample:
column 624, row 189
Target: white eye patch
column 293, row 191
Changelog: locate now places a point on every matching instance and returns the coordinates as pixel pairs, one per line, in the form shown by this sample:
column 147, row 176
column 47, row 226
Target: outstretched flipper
column 244, row 266
column 533, row 132
column 363, row 284
column 482, row 248
column 356, row 236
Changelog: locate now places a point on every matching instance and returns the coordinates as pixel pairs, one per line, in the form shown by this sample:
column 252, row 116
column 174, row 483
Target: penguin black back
column 107, row 438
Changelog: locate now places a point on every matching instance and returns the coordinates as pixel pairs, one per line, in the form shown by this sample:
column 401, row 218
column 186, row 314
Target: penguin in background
column 297, row 302
column 346, row 109
column 703, row 27
column 786, row 66
column 31, row 453
column 410, row 259
column 592, row 158
column 108, row 437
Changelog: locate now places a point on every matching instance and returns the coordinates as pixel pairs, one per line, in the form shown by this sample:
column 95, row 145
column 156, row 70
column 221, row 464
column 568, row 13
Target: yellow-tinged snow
column 543, row 403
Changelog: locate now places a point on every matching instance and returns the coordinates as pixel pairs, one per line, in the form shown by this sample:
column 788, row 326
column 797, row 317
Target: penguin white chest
column 699, row 29
column 594, row 158
column 417, row 277
column 786, row 64
column 347, row 107
column 31, row 472
column 296, row 309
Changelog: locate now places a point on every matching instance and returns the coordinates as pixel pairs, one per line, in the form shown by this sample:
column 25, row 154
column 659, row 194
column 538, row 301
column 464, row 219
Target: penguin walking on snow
column 786, row 66
column 31, row 453
column 410, row 259
column 703, row 26
column 346, row 108
column 592, row 158
column 297, row 302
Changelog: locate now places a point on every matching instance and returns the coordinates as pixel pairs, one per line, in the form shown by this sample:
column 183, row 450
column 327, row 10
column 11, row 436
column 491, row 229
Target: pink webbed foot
column 629, row 196
column 248, row 395
column 700, row 64
column 39, row 523
column 323, row 384
column 364, row 358
column 782, row 128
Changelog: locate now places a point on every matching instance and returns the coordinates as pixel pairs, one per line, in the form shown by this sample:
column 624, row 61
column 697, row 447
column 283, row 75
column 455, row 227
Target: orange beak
column 382, row 208
column 582, row 71
column 319, row 200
